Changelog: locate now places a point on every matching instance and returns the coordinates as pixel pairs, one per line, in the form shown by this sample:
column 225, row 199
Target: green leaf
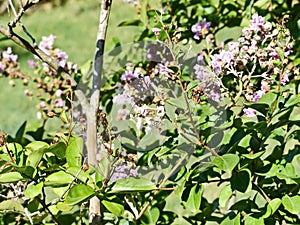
column 37, row 149
column 132, row 184
column 241, row 181
column 192, row 84
column 33, row 190
column 272, row 206
column 114, row 205
column 64, row 207
column 292, row 204
column 74, row 151
column 20, row 132
column 10, row 177
column 151, row 216
column 11, row 205
column 79, row 193
column 58, row 149
column 194, row 201
column 231, row 221
column 225, row 195
column 269, row 98
column 226, row 162
column 26, row 171
column 63, row 116
column 134, row 22
column 253, row 156
column 58, row 179
column 249, row 220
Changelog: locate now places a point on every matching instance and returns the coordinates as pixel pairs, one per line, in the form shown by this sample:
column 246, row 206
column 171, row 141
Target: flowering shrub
column 203, row 132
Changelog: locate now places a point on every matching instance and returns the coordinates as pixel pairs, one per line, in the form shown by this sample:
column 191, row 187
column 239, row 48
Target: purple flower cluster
column 201, row 29
column 249, row 112
column 47, row 45
column 122, row 171
column 208, row 85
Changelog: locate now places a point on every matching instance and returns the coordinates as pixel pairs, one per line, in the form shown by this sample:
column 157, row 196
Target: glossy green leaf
column 11, row 205
column 58, row 149
column 134, row 22
column 292, row 204
column 59, row 179
column 272, row 206
column 114, row 205
column 33, row 190
column 10, row 177
column 253, row 156
column 61, row 206
column 231, row 221
column 79, row 193
column 194, row 200
column 37, row 149
column 151, row 216
column 249, row 220
column 74, row 151
column 132, row 184
column 226, row 162
column 241, row 181
column 225, row 195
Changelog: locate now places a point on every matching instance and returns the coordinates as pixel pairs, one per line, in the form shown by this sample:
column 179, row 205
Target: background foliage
column 206, row 162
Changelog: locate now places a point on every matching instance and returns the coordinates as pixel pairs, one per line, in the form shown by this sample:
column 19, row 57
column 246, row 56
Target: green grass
column 75, row 24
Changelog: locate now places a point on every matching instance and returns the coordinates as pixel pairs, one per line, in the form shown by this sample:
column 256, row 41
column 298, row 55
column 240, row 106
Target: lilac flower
column 2, row 66
column 42, row 105
column 58, row 92
column 274, row 55
column 249, row 112
column 59, row 103
column 162, row 69
column 215, row 95
column 200, row 60
column 201, row 72
column 123, row 171
column 47, row 43
column 7, row 55
column 201, row 29
column 31, row 63
column 156, row 31
column 258, row 95
column 257, row 22
column 220, row 61
column 129, row 75
column 285, row 78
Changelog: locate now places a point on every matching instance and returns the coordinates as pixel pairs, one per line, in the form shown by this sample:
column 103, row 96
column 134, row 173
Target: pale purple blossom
column 58, row 92
column 156, row 31
column 47, row 43
column 249, row 112
column 273, row 54
column 200, row 29
column 215, row 95
column 285, row 78
column 61, row 57
column 201, row 72
column 162, row 69
column 42, row 105
column 257, row 22
column 200, row 60
column 220, row 61
column 31, row 63
column 7, row 55
column 128, row 75
column 2, row 66
column 123, row 171
column 258, row 95
column 59, row 103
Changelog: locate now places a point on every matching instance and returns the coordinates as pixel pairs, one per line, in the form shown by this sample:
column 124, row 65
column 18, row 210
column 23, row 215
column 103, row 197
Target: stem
column 91, row 111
